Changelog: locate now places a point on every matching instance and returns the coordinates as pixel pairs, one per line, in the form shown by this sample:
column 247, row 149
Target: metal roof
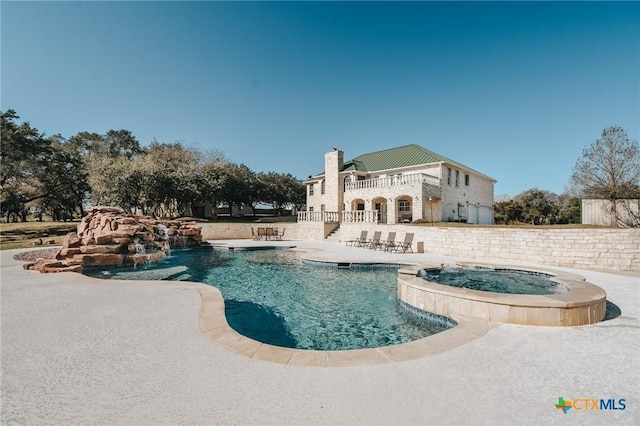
column 396, row 158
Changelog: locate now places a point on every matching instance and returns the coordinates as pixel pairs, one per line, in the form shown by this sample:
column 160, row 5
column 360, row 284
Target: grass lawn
column 23, row 234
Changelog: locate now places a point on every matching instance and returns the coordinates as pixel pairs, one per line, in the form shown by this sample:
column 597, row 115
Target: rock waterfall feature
column 108, row 236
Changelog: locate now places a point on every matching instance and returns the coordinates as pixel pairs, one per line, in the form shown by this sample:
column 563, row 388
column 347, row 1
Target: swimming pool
column 274, row 297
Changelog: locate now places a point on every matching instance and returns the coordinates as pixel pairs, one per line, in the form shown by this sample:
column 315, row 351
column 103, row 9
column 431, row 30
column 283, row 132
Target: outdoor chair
column 391, row 238
column 262, row 232
column 253, row 234
column 358, row 241
column 279, row 235
column 406, row 244
column 269, row 233
column 375, row 241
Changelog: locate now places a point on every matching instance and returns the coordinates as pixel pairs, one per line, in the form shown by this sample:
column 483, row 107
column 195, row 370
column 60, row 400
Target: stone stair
column 335, row 236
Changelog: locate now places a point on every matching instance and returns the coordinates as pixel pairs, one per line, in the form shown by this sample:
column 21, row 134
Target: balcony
column 390, row 181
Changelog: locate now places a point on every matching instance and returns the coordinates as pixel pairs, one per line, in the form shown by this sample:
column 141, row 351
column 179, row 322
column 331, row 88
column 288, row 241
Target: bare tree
column 609, row 169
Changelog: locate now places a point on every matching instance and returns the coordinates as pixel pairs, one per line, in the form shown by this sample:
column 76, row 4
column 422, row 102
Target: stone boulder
column 107, row 236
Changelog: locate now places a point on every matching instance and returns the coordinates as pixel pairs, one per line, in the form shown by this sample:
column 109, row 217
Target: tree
column 539, row 206
column 170, row 178
column 570, row 209
column 508, row 212
column 280, row 189
column 38, row 174
column 609, row 169
column 212, row 180
column 240, row 187
column 63, row 180
column 20, row 146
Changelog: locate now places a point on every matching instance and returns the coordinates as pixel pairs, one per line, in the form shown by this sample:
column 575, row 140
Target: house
column 398, row 185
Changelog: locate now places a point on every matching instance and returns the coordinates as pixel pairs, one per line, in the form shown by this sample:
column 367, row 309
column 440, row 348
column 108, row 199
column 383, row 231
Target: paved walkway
column 76, row 351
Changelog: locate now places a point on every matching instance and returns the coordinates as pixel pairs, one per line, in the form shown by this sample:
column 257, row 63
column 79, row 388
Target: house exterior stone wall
column 435, row 191
column 325, row 193
column 462, row 202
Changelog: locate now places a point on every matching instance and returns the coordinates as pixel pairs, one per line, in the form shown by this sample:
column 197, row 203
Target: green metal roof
column 394, row 158
column 403, row 156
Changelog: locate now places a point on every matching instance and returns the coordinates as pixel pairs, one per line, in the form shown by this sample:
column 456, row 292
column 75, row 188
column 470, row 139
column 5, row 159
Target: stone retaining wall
column 292, row 231
column 607, row 249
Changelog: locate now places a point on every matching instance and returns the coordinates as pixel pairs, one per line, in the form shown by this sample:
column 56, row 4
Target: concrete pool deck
column 78, row 351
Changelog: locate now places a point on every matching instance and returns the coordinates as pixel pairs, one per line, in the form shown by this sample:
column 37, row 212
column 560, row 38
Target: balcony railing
column 360, row 216
column 356, row 216
column 325, row 217
column 385, row 182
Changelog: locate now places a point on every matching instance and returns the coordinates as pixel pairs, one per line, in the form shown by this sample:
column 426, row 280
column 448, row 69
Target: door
column 382, row 212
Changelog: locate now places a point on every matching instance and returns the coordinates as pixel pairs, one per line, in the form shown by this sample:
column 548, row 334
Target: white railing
column 325, row 217
column 356, row 216
column 385, row 182
column 360, row 216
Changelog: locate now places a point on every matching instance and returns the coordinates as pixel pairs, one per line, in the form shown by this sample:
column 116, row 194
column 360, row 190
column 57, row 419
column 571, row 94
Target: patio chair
column 279, row 235
column 270, row 233
column 362, row 238
column 406, row 244
column 254, row 235
column 262, row 232
column 391, row 238
column 375, row 241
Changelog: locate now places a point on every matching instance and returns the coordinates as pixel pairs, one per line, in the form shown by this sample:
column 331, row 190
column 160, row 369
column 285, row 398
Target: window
column 310, row 209
column 457, row 178
column 321, row 207
column 310, row 189
column 404, row 211
column 322, row 187
column 466, row 180
column 449, row 176
column 404, row 206
column 360, row 206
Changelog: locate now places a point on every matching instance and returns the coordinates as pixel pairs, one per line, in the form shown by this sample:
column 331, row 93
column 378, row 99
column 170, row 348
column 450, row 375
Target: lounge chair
column 391, row 238
column 375, row 241
column 406, row 244
column 357, row 241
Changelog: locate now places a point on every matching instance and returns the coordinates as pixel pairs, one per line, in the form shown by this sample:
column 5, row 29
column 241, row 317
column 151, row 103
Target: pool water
column 498, row 281
column 274, row 297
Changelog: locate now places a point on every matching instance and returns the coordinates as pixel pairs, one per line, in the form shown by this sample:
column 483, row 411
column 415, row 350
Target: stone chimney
column 333, row 196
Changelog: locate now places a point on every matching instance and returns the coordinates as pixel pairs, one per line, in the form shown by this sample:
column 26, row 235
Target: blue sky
column 513, row 90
